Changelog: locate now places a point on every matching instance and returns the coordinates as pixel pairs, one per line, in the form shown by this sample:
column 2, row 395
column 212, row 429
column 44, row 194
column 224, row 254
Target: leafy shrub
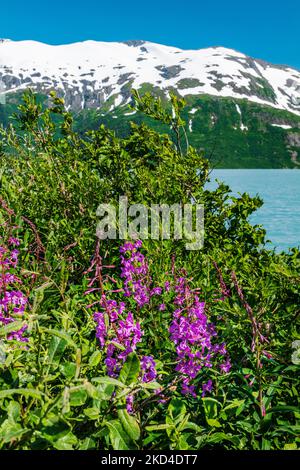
column 91, row 376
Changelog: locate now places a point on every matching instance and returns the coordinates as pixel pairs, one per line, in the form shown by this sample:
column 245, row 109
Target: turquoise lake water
column 280, row 190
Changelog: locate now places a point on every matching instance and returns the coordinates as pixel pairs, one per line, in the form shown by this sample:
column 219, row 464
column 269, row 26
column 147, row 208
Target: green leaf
column 93, row 391
column 192, row 427
column 87, row 443
column 78, row 396
column 283, row 409
column 66, row 442
column 182, row 443
column 95, row 358
column 11, row 431
column 234, row 404
column 130, row 370
column 213, row 422
column 159, row 427
column 221, row 436
column 92, row 413
column 292, row 446
column 26, row 392
column 176, row 409
column 266, row 444
column 13, row 411
column 210, row 407
column 54, row 429
column 13, row 326
column 130, row 424
column 39, row 296
column 61, row 334
column 151, row 385
column 108, row 380
column 68, row 369
column 118, row 437
column 56, row 349
column 105, row 391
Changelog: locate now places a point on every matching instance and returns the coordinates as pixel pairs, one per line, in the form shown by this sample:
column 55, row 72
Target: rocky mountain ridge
column 91, row 75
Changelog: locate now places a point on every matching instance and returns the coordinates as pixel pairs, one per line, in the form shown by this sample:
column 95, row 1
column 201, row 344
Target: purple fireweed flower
column 12, row 300
column 226, row 366
column 167, row 286
column 128, row 246
column 18, row 335
column 207, row 387
column 14, row 257
column 112, row 366
column 187, row 389
column 101, row 331
column 193, row 336
column 113, row 309
column 156, row 291
column 220, row 348
column 129, row 403
column 14, row 241
column 9, row 278
column 134, row 271
column 118, row 333
column 116, row 328
column 148, row 368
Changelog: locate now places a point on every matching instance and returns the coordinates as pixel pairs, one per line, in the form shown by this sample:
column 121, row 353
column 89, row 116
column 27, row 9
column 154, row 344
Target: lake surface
column 280, row 190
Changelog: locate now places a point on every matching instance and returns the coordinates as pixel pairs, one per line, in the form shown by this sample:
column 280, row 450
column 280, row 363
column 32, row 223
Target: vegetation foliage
column 56, row 389
column 214, row 125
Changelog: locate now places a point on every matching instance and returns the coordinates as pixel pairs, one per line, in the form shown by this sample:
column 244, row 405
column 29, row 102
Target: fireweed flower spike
column 134, row 271
column 119, row 333
column 207, row 387
column 14, row 241
column 12, row 301
column 116, row 328
column 193, row 337
column 148, row 368
column 129, row 403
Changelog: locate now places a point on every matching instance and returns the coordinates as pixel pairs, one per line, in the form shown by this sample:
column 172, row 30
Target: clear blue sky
column 261, row 28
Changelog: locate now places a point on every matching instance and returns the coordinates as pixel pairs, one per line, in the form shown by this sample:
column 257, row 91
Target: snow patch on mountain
column 90, row 73
column 238, row 109
column 283, row 126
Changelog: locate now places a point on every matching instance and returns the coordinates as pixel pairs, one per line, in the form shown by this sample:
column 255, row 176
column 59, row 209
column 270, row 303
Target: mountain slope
column 243, row 112
column 232, row 133
column 90, row 73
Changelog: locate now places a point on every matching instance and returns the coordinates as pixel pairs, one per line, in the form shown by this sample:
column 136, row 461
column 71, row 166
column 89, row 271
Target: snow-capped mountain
column 89, row 74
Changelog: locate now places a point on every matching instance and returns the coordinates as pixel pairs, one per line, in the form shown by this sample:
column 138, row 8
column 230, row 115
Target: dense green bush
column 55, row 391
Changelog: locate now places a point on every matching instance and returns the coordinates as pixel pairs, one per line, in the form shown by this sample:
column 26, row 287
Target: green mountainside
column 232, row 133
column 228, row 138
